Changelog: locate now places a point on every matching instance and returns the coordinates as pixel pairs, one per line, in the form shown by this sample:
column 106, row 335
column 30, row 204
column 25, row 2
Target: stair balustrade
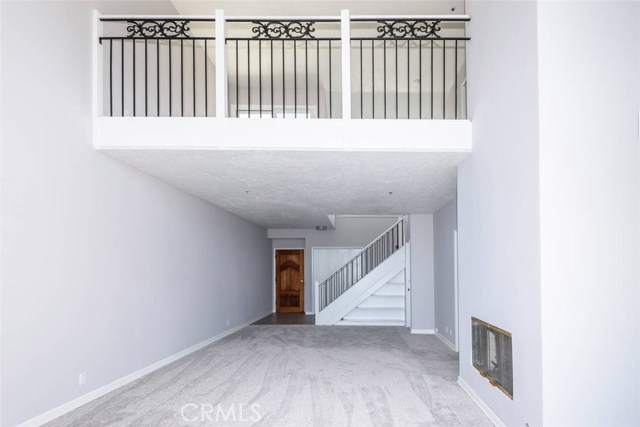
column 361, row 264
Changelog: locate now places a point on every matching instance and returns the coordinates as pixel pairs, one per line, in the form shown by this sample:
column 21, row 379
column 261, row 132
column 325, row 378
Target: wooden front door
column 289, row 280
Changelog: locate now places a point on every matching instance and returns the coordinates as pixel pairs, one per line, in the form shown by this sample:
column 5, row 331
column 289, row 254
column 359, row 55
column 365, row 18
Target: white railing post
column 221, row 66
column 316, row 299
column 345, row 38
column 96, row 78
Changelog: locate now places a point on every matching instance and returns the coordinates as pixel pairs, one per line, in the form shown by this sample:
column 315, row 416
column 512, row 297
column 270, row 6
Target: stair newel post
column 316, row 300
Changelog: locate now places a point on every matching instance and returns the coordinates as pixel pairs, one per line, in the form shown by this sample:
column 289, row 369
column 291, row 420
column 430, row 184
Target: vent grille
column 492, row 355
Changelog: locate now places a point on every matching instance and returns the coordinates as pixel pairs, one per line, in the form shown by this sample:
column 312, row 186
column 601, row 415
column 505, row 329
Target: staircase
column 369, row 289
column 383, row 307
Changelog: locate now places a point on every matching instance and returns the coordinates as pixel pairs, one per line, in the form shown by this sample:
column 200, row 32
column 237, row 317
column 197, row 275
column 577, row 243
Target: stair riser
column 376, row 314
column 376, row 301
column 365, row 323
column 390, row 290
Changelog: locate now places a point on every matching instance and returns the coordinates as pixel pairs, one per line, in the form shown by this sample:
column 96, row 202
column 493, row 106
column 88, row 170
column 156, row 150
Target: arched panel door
column 289, row 280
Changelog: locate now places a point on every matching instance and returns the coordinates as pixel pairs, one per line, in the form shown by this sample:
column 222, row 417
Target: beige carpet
column 296, row 376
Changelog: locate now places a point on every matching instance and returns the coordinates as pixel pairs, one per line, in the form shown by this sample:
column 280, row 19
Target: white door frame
column 407, row 284
column 455, row 288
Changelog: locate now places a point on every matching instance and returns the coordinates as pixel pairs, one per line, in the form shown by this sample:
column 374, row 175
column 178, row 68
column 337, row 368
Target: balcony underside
column 293, row 173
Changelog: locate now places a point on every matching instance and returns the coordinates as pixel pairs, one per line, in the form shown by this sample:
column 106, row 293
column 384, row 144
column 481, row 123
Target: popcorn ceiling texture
column 299, row 189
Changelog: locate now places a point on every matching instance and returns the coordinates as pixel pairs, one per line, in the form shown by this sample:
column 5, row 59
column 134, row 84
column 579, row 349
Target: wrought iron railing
column 158, row 66
column 361, row 264
column 313, row 67
column 284, row 68
column 407, row 68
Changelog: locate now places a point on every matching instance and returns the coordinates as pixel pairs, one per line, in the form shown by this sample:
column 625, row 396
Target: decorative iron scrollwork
column 283, row 30
column 420, row 29
column 151, row 28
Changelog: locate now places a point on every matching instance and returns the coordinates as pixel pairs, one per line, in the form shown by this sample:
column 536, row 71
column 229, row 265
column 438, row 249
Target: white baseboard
column 309, row 313
column 423, row 331
column 483, row 406
column 446, row 341
column 101, row 391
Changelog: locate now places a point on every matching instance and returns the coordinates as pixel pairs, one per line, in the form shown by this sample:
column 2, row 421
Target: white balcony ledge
column 282, row 134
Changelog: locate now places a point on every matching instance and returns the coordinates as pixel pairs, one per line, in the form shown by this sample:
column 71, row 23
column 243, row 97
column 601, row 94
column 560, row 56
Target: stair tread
column 380, row 307
column 371, row 322
column 355, row 317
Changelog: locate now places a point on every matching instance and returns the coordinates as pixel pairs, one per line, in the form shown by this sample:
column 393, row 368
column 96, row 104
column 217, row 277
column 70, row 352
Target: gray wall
column 498, row 202
column 349, row 231
column 105, row 270
column 590, row 212
column 445, row 222
column 422, row 290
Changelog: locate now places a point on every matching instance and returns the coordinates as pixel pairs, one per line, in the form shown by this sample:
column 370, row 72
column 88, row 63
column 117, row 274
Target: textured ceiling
column 287, row 189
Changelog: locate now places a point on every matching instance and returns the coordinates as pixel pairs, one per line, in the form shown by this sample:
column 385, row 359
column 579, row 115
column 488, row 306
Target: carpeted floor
column 296, row 376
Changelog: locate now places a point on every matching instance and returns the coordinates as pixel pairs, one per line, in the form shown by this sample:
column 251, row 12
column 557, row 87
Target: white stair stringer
column 378, row 278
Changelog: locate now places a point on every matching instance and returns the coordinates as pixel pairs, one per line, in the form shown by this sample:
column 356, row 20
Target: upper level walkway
column 372, row 83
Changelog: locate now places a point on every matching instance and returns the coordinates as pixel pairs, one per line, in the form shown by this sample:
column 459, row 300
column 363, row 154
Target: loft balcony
column 304, row 116
column 350, row 82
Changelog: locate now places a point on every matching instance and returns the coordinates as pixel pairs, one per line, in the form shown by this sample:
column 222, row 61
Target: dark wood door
column 289, row 280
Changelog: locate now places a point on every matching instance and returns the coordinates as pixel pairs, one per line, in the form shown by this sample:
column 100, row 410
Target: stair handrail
column 365, row 248
column 370, row 257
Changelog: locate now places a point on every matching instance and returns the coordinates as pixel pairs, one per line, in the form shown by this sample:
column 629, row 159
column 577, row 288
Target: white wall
column 422, row 291
column 590, row 212
column 498, row 202
column 445, row 223
column 105, row 270
column 287, row 243
column 350, row 231
column 549, row 201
